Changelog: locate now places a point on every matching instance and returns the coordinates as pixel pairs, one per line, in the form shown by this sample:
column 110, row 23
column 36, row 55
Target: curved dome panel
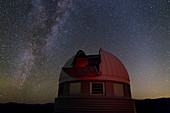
column 111, row 66
column 63, row 75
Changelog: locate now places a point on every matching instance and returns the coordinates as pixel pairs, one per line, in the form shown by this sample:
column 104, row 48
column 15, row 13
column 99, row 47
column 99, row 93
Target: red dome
column 113, row 68
column 110, row 69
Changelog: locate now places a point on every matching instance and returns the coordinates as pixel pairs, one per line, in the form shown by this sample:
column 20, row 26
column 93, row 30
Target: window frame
column 103, row 83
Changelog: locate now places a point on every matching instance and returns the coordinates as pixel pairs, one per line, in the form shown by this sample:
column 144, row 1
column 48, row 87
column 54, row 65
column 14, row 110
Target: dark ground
column 26, row 108
column 142, row 106
column 153, row 105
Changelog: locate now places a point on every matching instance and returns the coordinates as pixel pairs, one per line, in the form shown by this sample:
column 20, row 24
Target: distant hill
column 161, row 105
column 142, row 106
column 26, row 108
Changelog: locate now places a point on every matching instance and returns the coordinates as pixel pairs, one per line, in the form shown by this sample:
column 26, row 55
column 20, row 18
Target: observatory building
column 94, row 84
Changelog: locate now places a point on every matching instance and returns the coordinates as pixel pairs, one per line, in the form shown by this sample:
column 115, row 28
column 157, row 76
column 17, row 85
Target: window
column 129, row 93
column 60, row 91
column 118, row 89
column 97, row 88
column 75, row 89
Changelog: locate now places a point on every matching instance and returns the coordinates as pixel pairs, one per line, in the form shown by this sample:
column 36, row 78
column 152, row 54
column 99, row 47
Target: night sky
column 38, row 36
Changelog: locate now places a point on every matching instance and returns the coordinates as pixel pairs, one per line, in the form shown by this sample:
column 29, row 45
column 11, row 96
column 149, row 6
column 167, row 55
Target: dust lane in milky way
column 38, row 36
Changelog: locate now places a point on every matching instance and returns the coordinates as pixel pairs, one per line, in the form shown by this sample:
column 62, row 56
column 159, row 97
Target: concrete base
column 94, row 105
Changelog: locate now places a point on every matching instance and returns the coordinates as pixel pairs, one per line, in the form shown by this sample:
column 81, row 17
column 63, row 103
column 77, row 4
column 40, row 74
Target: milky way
column 37, row 22
column 38, row 36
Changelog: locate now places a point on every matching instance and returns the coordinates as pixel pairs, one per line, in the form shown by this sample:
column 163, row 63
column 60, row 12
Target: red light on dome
column 81, row 62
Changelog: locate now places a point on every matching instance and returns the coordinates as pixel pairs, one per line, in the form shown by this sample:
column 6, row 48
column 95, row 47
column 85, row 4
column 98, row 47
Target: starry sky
column 38, row 36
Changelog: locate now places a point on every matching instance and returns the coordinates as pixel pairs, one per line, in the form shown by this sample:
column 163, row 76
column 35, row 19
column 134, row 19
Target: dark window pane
column 60, row 91
column 97, row 88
